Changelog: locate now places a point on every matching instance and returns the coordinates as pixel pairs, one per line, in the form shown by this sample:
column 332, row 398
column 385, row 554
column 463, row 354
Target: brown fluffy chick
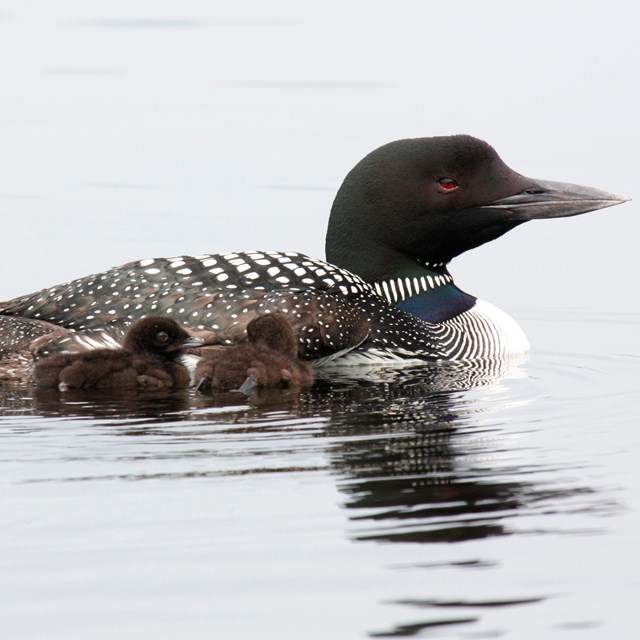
column 269, row 359
column 149, row 358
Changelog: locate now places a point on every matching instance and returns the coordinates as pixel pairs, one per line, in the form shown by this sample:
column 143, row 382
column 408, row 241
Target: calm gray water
column 393, row 505
column 489, row 500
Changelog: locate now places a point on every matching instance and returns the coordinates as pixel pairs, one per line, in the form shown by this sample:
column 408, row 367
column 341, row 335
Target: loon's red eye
column 448, row 184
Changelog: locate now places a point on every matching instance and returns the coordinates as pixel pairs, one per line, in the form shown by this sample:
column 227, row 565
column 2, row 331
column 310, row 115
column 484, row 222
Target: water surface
column 397, row 503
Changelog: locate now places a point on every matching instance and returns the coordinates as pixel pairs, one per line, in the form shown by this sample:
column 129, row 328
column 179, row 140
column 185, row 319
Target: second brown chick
column 269, row 359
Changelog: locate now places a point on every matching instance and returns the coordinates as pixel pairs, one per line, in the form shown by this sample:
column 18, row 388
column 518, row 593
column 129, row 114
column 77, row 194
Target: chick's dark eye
column 162, row 336
column 447, row 184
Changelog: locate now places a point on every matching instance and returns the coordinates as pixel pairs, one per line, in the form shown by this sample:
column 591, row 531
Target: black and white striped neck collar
column 401, row 288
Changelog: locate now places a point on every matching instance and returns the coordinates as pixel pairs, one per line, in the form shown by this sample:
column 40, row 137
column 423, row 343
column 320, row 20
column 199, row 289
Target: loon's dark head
column 157, row 335
column 431, row 199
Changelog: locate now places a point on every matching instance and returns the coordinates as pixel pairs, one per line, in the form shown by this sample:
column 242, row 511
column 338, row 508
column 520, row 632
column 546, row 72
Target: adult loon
column 401, row 215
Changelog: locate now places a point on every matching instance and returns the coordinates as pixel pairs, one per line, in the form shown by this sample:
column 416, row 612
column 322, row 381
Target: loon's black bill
column 546, row 199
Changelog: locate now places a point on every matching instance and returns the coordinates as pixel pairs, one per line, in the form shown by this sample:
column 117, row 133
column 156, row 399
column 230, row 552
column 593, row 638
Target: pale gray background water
column 137, row 129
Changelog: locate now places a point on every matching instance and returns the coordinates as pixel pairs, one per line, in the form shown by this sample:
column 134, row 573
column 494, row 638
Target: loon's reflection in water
column 407, row 445
column 412, row 454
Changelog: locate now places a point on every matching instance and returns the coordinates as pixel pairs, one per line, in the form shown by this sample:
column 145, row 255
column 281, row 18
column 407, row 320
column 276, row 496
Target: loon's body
column 211, row 295
column 402, row 214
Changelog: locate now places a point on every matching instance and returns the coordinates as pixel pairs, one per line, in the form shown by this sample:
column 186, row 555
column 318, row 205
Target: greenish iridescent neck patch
column 426, row 291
